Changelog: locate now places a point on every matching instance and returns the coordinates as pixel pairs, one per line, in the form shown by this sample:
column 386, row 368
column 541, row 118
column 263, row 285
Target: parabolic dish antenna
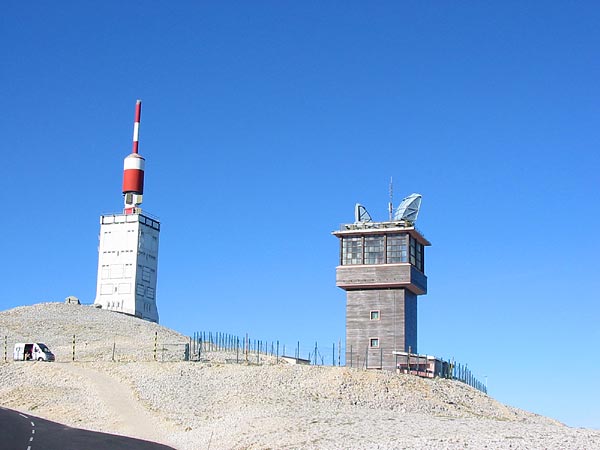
column 361, row 214
column 409, row 208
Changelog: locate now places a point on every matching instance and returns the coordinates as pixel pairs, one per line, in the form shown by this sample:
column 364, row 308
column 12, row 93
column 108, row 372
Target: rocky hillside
column 216, row 405
column 97, row 332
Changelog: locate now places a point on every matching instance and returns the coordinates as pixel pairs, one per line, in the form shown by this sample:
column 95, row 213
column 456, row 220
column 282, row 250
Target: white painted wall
column 127, row 265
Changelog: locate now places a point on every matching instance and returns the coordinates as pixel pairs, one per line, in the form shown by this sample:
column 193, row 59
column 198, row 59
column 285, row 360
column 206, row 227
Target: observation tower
column 128, row 249
column 382, row 270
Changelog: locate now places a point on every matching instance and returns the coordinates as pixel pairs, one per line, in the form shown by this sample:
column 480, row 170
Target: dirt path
column 128, row 416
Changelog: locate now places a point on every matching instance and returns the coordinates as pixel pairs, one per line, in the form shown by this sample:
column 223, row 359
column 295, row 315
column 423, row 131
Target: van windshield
column 44, row 348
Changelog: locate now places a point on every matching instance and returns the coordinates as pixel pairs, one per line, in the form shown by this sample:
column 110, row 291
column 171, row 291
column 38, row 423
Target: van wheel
column 40, row 359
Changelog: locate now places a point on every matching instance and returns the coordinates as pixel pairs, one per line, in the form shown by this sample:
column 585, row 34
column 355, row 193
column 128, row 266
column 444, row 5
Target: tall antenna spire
column 133, row 170
column 391, row 204
column 136, row 126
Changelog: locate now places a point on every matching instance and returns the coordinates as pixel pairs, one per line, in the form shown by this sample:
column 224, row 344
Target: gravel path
column 126, row 415
column 190, row 405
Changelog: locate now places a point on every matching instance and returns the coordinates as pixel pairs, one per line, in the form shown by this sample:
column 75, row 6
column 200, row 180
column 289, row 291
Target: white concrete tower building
column 128, row 249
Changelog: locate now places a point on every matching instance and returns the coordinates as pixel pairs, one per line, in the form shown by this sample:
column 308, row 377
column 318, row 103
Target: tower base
column 127, row 265
column 380, row 322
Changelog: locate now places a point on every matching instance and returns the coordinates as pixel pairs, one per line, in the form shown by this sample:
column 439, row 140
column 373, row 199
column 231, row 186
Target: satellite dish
column 361, row 214
column 409, row 208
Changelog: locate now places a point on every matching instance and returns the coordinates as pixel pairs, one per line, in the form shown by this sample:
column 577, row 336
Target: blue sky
column 263, row 124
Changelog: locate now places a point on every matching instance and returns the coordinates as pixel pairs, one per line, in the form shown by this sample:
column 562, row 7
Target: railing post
column 155, row 344
column 333, row 355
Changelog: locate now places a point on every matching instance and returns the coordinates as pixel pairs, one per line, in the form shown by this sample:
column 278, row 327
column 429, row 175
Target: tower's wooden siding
column 396, row 328
column 381, row 276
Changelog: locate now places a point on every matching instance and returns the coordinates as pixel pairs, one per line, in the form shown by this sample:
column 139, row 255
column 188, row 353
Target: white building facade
column 128, row 264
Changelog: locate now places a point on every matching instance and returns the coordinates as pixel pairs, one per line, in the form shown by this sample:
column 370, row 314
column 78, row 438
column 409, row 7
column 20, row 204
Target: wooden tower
column 382, row 270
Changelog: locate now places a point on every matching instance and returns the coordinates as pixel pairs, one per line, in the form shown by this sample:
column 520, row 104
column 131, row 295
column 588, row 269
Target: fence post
column 155, row 343
column 316, row 362
column 5, row 346
column 277, row 352
column 113, row 354
column 339, row 352
column 333, row 356
column 367, row 358
column 73, row 347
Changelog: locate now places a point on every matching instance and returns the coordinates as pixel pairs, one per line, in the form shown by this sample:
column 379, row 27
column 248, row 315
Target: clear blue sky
column 264, row 122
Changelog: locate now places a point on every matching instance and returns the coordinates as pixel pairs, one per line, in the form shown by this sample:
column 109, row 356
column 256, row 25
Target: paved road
column 25, row 432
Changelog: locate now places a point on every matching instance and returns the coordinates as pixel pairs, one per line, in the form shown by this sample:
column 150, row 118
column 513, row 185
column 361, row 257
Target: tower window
column 374, row 250
column 397, row 248
column 352, row 250
column 375, row 315
column 374, row 342
column 417, row 254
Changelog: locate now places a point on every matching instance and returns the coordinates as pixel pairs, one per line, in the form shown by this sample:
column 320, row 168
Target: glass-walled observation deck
column 382, row 243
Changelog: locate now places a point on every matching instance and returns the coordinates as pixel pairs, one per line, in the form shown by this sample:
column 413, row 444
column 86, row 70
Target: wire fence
column 77, row 348
column 253, row 351
column 229, row 348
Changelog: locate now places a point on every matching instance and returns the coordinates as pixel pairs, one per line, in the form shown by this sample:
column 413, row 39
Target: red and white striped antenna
column 136, row 126
column 133, row 170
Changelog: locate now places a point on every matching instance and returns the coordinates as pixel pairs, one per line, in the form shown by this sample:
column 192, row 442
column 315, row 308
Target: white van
column 32, row 352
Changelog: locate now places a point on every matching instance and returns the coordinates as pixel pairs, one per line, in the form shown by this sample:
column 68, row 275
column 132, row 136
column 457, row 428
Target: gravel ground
column 191, row 405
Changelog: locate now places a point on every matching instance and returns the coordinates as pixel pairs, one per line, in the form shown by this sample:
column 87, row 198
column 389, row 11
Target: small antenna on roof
column 391, row 203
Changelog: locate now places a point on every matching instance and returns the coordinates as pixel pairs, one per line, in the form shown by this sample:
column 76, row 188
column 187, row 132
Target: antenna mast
column 391, row 203
column 136, row 126
column 133, row 170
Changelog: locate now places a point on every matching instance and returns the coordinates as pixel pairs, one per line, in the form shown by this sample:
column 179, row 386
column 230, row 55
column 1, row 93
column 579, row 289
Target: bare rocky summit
column 115, row 385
